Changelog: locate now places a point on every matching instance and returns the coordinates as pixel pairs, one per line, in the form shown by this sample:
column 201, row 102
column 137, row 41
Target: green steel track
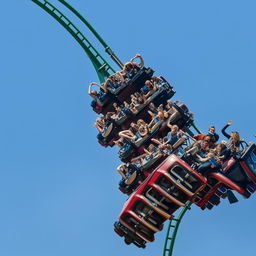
column 95, row 33
column 173, row 230
column 104, row 70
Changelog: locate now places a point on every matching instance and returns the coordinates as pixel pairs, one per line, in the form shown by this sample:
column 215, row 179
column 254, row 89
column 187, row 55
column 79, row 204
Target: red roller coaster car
column 170, row 186
column 238, row 174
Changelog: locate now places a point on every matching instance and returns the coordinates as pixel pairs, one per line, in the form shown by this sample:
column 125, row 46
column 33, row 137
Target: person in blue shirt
column 208, row 163
column 172, row 136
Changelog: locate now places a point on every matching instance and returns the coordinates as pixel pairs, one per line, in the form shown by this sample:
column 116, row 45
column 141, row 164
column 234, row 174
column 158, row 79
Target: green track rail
column 172, row 231
column 96, row 34
column 196, row 129
column 103, row 69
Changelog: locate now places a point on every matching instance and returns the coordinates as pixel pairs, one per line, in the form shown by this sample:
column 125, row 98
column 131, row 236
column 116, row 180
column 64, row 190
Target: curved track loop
column 172, row 231
column 107, row 48
column 101, row 66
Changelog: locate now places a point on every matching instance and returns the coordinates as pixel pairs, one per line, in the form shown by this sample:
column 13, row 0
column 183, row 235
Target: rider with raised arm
column 93, row 93
column 141, row 64
column 234, row 140
column 130, row 68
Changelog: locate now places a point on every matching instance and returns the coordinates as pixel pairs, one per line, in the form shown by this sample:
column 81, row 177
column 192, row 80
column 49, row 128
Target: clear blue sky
column 58, row 187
